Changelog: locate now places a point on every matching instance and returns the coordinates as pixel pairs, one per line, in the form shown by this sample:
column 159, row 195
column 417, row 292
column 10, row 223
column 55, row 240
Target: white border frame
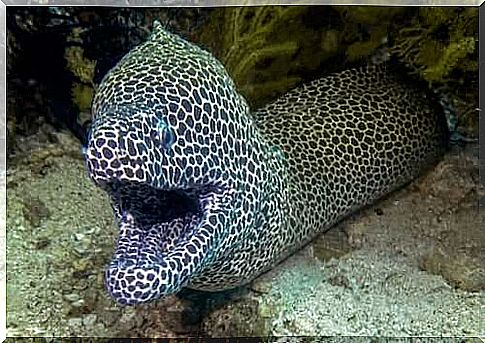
column 134, row 3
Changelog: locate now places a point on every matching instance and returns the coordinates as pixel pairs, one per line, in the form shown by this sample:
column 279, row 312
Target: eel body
column 208, row 195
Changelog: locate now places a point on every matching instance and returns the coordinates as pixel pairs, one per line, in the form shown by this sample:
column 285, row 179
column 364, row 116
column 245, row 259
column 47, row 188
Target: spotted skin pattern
column 209, row 196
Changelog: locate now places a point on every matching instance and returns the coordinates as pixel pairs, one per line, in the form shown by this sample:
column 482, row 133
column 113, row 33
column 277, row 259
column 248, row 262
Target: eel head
column 171, row 191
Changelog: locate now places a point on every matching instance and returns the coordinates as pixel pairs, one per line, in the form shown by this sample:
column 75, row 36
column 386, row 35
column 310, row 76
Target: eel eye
column 164, row 135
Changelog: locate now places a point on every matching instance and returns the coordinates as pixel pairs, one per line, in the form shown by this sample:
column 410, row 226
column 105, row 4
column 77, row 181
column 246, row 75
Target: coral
column 266, row 49
column 82, row 96
column 451, row 55
column 442, row 45
column 270, row 49
column 83, row 68
column 366, row 28
column 439, row 41
column 78, row 65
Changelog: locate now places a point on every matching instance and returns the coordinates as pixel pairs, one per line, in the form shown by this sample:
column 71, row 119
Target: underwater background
column 410, row 265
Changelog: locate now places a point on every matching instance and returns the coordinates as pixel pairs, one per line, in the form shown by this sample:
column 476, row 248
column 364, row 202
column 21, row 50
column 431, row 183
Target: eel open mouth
column 152, row 206
column 160, row 243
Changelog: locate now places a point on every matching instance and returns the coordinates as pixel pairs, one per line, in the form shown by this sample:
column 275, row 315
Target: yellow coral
column 376, row 20
column 261, row 46
column 372, row 16
column 80, row 66
column 269, row 49
column 358, row 50
column 82, row 96
column 330, row 41
column 449, row 59
column 434, row 15
column 437, row 56
column 83, row 68
column 441, row 43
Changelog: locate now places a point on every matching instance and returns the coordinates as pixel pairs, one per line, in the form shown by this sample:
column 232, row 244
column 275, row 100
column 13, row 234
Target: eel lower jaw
column 158, row 248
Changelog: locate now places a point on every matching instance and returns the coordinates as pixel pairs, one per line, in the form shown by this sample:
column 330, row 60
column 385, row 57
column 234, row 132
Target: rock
column 332, row 244
column 460, row 270
column 90, row 320
column 241, row 318
column 73, row 297
column 75, row 322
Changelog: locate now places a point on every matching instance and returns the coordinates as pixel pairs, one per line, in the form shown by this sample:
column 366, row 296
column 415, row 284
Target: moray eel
column 208, row 195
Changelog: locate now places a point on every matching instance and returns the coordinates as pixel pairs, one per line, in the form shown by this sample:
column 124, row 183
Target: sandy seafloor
column 412, row 265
